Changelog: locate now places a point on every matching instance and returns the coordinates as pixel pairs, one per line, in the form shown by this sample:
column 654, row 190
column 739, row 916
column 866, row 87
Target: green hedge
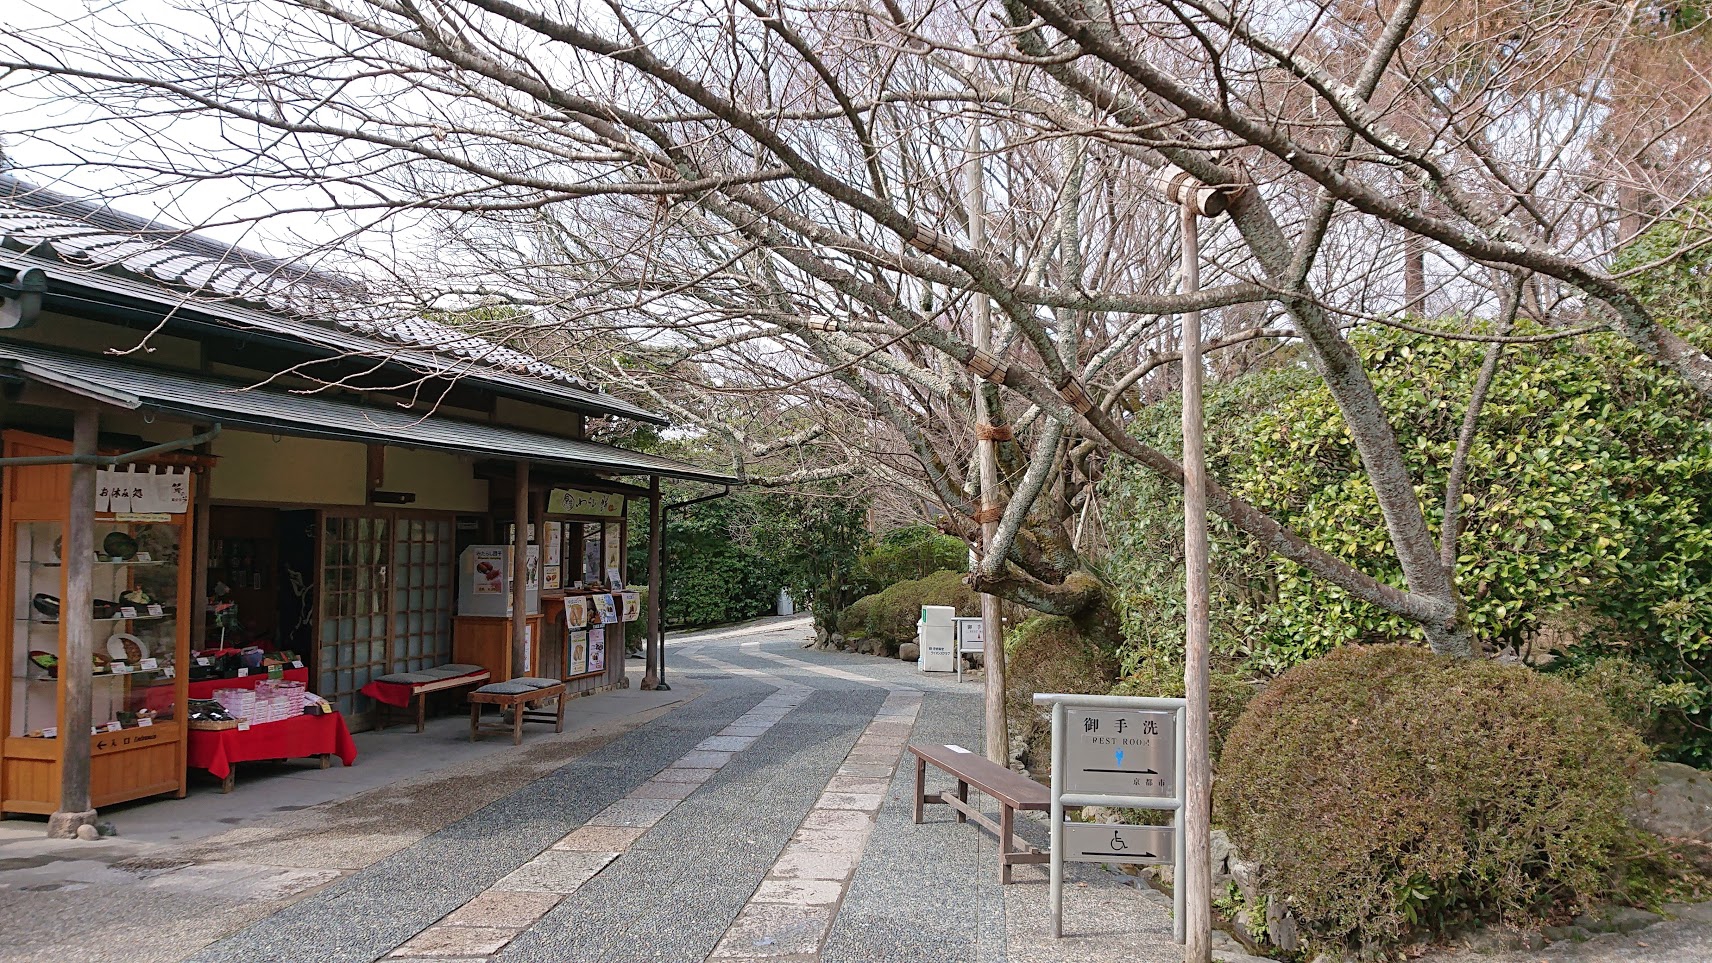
column 1388, row 793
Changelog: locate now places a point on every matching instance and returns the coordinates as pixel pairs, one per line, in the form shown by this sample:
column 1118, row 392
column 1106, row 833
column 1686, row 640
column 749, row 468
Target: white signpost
column 1124, row 752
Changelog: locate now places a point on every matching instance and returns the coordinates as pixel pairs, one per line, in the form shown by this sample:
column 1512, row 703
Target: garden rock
column 1558, row 934
column 909, row 652
column 1620, row 919
column 1492, row 941
column 1678, row 804
column 1281, row 927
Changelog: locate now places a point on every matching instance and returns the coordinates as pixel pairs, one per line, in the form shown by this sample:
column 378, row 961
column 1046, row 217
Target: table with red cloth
column 159, row 697
column 217, row 749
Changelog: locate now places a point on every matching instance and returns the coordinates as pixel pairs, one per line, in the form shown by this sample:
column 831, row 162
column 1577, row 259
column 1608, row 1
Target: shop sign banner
column 574, row 501
column 141, row 490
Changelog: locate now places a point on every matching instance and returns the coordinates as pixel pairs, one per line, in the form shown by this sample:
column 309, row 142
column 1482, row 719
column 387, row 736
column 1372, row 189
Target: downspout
column 109, row 461
column 661, row 588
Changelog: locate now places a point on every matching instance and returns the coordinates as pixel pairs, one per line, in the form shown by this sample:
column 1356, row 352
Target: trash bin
column 936, row 635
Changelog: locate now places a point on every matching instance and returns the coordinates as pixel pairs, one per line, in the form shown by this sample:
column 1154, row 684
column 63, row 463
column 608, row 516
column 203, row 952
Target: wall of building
column 440, row 481
column 94, row 337
column 522, row 414
column 294, row 471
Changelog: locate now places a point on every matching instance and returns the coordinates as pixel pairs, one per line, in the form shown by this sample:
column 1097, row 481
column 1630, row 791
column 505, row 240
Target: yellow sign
column 572, row 501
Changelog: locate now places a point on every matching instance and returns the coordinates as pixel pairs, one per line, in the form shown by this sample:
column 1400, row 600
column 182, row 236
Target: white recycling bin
column 936, row 635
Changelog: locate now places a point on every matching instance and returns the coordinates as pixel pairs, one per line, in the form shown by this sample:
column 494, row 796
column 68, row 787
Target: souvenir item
column 126, row 648
column 47, row 662
column 106, row 610
column 46, row 604
column 136, row 597
column 119, row 545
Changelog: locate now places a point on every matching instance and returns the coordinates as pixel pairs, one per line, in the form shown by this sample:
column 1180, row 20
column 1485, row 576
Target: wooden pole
column 520, row 566
column 998, row 743
column 75, row 611
column 654, row 648
column 1197, row 805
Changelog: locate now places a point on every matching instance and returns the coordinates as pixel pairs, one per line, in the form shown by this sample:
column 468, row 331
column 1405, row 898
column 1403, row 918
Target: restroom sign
column 1120, row 752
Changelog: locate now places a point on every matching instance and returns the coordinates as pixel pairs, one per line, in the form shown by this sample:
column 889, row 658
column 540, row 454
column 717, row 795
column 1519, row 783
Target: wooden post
column 520, row 566
column 75, row 611
column 997, row 728
column 654, row 646
column 1197, row 805
column 200, row 538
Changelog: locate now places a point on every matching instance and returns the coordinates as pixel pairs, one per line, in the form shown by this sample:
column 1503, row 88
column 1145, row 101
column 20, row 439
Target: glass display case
column 139, row 583
column 134, row 618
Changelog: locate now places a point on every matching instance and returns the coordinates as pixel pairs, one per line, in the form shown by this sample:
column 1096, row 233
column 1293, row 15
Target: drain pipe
column 110, row 461
column 661, row 587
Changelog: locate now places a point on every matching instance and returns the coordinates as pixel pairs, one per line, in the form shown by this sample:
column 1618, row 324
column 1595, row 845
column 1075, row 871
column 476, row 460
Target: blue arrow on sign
column 1120, row 757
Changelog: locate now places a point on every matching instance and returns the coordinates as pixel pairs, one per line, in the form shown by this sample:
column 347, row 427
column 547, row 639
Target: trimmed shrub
column 1386, row 792
column 889, row 617
column 1048, row 654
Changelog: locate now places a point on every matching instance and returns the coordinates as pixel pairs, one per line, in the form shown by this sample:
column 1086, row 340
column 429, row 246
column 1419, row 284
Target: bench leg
column 326, row 760
column 421, row 711
column 560, row 726
column 231, row 781
column 1006, row 825
column 962, row 797
column 517, row 723
column 920, row 785
column 475, row 720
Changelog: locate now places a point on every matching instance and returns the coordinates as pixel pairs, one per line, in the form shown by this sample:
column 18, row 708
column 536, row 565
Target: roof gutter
column 110, row 461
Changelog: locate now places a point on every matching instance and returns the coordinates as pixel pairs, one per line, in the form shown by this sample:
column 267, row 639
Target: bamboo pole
column 1197, row 808
column 997, row 729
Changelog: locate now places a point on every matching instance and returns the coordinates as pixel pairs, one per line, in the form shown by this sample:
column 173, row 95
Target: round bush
column 1385, row 791
column 890, row 616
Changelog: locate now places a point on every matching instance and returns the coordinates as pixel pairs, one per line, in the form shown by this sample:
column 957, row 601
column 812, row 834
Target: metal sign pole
column 1057, row 861
column 1178, row 924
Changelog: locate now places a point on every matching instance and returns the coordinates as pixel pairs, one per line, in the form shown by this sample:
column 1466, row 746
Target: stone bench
column 517, row 696
column 1013, row 791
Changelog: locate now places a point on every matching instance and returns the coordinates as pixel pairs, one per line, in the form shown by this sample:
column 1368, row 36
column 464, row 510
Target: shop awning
column 240, row 406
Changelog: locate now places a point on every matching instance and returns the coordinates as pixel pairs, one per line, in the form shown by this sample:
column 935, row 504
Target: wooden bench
column 1013, row 791
column 517, row 696
column 417, row 687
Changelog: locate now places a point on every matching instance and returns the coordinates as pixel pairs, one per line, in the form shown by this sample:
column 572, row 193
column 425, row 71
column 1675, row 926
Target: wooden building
column 206, row 450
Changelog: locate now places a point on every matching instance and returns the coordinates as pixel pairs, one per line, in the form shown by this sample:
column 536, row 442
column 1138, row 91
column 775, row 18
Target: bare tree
column 763, row 198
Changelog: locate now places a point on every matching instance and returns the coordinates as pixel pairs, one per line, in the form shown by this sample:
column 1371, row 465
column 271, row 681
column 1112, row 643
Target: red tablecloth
column 160, row 697
column 398, row 693
column 216, row 750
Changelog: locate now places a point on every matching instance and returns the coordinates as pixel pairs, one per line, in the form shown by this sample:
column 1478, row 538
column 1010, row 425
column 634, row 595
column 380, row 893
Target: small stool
column 517, row 695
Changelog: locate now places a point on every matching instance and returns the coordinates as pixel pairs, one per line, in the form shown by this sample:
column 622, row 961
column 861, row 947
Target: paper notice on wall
column 597, row 649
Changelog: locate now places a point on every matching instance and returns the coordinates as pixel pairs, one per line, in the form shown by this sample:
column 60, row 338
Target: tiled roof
column 287, row 299
column 236, row 405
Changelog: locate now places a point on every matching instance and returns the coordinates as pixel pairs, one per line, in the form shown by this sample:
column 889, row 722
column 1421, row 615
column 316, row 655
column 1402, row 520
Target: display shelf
column 146, row 556
column 117, row 618
column 36, row 564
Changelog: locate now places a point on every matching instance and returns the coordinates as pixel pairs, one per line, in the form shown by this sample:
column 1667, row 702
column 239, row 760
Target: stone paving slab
column 769, row 930
column 513, row 910
column 555, row 871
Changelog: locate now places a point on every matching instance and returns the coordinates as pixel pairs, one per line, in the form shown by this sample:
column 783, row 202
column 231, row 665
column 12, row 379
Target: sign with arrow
column 1121, row 752
column 1108, row 843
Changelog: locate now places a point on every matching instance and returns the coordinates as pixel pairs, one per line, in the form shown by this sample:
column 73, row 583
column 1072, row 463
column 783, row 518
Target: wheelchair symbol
column 1118, row 844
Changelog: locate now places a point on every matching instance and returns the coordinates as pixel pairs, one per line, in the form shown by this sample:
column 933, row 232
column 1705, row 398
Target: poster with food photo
column 490, row 571
column 578, row 663
column 597, row 649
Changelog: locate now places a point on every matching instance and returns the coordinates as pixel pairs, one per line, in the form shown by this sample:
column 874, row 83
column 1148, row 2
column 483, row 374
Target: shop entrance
column 357, row 594
column 386, row 600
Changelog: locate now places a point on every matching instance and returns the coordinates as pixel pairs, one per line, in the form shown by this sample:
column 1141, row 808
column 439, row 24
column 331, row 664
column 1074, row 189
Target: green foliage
column 1387, row 793
column 1228, row 695
column 726, row 559
column 912, row 552
column 890, row 616
column 1589, row 492
column 1633, row 693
